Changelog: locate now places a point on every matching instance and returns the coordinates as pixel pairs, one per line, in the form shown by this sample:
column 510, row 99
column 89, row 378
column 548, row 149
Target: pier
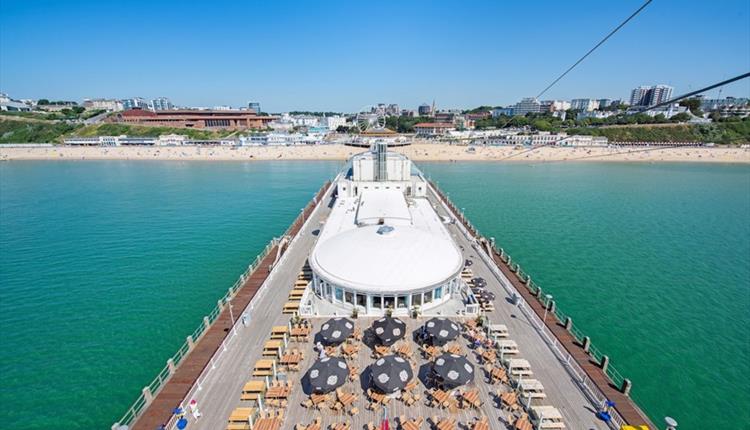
column 221, row 362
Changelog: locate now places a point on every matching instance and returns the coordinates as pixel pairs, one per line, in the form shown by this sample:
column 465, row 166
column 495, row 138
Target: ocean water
column 105, row 267
column 652, row 261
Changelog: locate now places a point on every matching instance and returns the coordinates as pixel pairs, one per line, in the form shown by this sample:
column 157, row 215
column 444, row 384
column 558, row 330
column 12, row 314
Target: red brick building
column 229, row 119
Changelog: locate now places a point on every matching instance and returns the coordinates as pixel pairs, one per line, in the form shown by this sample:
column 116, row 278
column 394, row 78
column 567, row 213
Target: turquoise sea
column 652, row 261
column 105, row 267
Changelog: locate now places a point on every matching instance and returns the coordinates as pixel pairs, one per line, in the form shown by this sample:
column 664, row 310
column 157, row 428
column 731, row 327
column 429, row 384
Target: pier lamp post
column 546, row 306
column 228, row 301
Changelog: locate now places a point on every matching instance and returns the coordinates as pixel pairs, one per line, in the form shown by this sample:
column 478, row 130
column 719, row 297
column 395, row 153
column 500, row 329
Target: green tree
column 693, row 104
column 680, row 117
column 42, row 102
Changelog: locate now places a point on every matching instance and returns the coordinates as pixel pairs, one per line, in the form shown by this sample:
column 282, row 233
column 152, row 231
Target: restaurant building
column 201, row 119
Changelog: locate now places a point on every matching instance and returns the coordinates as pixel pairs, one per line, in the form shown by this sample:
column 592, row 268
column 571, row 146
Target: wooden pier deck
column 220, row 392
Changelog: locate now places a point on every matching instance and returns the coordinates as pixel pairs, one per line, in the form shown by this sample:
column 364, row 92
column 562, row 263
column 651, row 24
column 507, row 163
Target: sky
column 344, row 55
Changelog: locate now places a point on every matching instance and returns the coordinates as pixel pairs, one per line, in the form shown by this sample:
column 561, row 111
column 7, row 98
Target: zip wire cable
column 594, row 48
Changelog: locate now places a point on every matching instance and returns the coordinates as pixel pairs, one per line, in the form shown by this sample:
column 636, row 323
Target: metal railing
column 197, row 386
column 158, row 382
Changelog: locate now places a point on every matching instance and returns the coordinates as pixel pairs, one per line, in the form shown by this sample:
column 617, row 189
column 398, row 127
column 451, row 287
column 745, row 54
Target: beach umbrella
column 327, row 374
column 336, row 330
column 453, row 370
column 441, row 329
column 479, row 282
column 389, row 330
column 182, row 423
column 391, row 373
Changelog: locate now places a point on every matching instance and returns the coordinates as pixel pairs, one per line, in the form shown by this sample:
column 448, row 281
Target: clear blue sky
column 344, row 55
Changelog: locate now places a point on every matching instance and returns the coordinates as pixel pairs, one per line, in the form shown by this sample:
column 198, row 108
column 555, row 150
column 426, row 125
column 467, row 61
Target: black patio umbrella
column 391, row 373
column 336, row 330
column 453, row 370
column 479, row 282
column 389, row 330
column 441, row 329
column 327, row 374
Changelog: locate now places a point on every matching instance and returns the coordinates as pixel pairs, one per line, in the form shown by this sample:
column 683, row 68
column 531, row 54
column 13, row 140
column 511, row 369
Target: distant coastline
column 418, row 152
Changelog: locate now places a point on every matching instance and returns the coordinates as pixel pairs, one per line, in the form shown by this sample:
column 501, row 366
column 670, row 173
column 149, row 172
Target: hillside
column 729, row 133
column 24, row 130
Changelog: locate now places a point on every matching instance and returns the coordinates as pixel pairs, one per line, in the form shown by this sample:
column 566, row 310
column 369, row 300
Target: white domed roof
column 386, row 258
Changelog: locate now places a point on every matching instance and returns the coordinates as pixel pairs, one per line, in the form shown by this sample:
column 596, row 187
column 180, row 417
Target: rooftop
column 417, row 253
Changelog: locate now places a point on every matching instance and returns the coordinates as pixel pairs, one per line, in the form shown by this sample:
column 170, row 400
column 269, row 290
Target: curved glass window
column 438, row 293
column 339, row 294
column 427, row 297
column 416, row 299
column 401, row 302
column 377, row 302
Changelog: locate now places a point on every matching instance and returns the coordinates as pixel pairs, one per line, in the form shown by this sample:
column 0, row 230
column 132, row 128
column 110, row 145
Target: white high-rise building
column 585, row 105
column 650, row 95
column 527, row 105
column 160, row 103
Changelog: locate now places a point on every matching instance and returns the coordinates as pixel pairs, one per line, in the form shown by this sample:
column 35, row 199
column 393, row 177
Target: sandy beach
column 418, row 152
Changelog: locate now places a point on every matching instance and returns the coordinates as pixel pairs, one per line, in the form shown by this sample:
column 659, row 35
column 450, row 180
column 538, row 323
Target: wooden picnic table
column 509, row 399
column 404, row 349
column 349, row 349
column 318, row 398
column 291, row 358
column 346, row 398
column 519, row 367
column 300, row 333
column 377, row 397
column 313, row 426
column 272, row 347
column 267, row 424
column 547, row 417
column 278, row 392
column 441, row 397
column 278, row 331
column 507, row 346
column 498, row 374
column 446, row 424
column 431, row 351
column 241, row 415
column 499, row 330
column 482, row 423
column 381, row 350
column 254, row 386
column 452, row 349
column 263, row 367
column 489, row 356
column 523, row 423
column 411, row 425
column 472, row 398
column 532, row 388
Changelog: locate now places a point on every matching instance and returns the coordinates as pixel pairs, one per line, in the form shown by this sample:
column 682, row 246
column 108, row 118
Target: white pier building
column 384, row 245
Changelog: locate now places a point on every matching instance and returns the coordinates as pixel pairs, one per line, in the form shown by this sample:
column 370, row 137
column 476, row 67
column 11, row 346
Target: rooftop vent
column 384, row 230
